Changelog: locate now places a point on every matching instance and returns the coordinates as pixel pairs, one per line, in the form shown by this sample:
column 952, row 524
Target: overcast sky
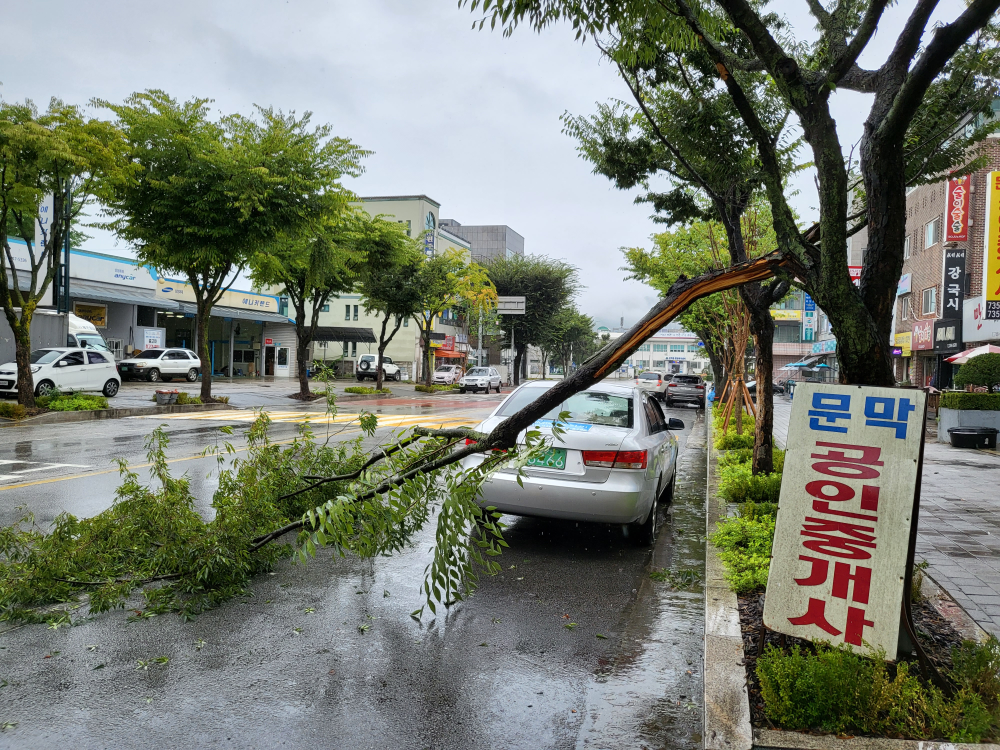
column 466, row 117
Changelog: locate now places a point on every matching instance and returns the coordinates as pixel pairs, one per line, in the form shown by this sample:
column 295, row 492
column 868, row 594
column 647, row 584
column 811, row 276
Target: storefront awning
column 345, row 334
column 448, row 354
column 237, row 313
column 82, row 289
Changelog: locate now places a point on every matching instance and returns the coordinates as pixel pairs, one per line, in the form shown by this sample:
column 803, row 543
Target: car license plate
column 6, row 384
column 553, row 458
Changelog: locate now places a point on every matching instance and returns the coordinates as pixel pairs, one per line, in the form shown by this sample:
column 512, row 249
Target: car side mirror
column 675, row 424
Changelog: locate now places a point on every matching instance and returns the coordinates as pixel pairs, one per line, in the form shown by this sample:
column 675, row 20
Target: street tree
column 571, row 338
column 922, row 97
column 547, row 286
column 59, row 153
column 390, row 281
column 207, row 196
column 445, row 281
column 321, row 261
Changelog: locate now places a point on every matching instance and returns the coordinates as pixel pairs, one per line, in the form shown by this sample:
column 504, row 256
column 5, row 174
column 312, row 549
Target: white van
column 84, row 334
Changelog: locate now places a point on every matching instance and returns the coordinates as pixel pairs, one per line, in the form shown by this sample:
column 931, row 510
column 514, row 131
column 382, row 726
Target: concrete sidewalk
column 959, row 528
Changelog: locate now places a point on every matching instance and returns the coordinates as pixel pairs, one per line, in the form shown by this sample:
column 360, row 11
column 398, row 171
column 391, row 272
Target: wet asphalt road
column 498, row 671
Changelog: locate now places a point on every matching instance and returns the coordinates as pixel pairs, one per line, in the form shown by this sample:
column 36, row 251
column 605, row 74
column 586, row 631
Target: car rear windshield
column 150, row 354
column 44, row 356
column 589, row 407
column 650, row 376
column 687, row 379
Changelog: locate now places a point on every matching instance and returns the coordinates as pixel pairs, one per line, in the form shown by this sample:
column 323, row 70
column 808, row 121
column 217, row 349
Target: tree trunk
column 201, row 323
column 426, row 335
column 303, row 339
column 22, row 344
column 763, row 442
column 518, row 358
column 718, row 374
column 381, row 350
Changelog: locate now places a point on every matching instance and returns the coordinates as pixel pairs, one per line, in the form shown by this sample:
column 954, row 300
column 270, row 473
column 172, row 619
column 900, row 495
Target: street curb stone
column 727, row 704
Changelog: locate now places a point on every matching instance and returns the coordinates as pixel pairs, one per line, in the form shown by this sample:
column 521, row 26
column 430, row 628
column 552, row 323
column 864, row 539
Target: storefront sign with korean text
column 956, row 215
column 953, row 284
column 922, row 337
column 947, row 336
column 991, row 252
column 842, row 537
column 903, row 341
column 96, row 314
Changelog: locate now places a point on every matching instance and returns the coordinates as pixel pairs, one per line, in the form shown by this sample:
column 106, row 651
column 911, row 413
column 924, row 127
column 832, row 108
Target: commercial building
column 672, row 349
column 488, row 241
column 941, row 302
column 136, row 308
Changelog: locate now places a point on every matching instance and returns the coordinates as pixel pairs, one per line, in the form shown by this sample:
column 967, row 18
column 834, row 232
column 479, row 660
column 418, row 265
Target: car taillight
column 671, row 385
column 599, row 458
column 630, row 460
column 637, row 381
column 659, row 383
column 700, row 387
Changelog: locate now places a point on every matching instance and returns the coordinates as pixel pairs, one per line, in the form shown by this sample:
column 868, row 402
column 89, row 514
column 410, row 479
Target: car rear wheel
column 461, row 390
column 153, row 376
column 644, row 534
column 45, row 388
column 667, row 401
column 110, row 388
column 192, row 375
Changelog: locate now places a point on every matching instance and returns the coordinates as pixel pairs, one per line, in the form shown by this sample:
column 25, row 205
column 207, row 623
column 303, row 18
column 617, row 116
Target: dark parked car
column 776, row 389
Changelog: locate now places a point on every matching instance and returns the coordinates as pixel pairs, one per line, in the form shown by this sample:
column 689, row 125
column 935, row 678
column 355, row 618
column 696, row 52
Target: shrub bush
column 185, row 398
column 434, row 388
column 72, row 402
column 364, row 389
column 13, row 411
column 737, row 484
column 838, row 691
column 982, row 370
column 971, row 401
column 744, row 545
column 745, row 455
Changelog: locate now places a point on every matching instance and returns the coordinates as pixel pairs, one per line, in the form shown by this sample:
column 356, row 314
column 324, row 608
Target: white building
column 672, row 350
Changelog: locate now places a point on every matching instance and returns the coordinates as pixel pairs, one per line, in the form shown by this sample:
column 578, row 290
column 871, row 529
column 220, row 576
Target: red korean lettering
column 842, row 492
column 838, row 538
column 856, row 623
column 815, row 615
column 822, row 506
column 817, row 574
column 842, row 578
column 869, row 454
column 869, row 497
column 846, row 470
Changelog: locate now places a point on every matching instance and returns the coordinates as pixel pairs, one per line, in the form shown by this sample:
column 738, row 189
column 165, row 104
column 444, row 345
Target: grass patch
column 13, row 411
column 434, row 388
column 365, row 389
column 744, row 544
column 835, row 690
column 745, row 456
column 72, row 402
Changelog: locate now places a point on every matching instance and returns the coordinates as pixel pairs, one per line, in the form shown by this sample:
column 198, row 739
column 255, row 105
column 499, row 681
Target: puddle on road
column 651, row 695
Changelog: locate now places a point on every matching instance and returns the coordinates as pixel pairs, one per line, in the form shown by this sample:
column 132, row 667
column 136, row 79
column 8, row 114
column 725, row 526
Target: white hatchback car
column 66, row 369
column 446, row 375
column 615, row 462
column 161, row 364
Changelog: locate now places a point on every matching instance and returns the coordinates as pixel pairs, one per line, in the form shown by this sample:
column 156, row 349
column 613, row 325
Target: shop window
column 787, row 334
column 932, row 232
column 928, row 304
column 659, row 363
column 145, row 316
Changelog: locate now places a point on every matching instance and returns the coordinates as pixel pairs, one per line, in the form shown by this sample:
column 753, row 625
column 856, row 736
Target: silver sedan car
column 614, row 463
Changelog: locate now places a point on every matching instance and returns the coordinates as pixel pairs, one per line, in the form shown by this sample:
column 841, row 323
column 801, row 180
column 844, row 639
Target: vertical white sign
column 43, row 225
column 844, row 515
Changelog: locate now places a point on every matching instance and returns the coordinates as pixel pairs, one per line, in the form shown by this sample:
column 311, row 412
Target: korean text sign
column 991, row 252
column 956, row 213
column 843, row 528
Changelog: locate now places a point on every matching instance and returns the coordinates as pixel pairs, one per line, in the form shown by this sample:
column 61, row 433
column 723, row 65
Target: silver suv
column 689, row 388
column 367, row 364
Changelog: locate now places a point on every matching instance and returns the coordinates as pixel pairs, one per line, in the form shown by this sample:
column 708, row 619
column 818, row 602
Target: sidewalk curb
column 63, row 417
column 727, row 704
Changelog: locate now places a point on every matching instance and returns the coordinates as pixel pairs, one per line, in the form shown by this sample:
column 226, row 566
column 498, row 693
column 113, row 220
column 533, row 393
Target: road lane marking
column 37, row 466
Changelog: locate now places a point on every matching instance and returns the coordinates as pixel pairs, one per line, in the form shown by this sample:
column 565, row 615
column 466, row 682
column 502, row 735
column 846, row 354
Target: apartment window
column 677, row 347
column 347, row 316
column 345, row 349
column 659, row 364
column 932, row 232
column 787, row 334
column 905, row 312
column 928, row 304
column 693, row 347
column 644, row 348
column 906, row 247
column 659, row 347
column 354, row 348
column 355, row 312
column 325, row 308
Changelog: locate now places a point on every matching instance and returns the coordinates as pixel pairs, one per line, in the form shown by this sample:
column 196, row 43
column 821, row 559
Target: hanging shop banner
column 922, row 336
column 96, row 314
column 947, row 336
column 991, row 253
column 953, row 284
column 903, row 341
column 957, row 210
column 904, row 285
column 786, row 314
column 855, row 272
column 841, row 542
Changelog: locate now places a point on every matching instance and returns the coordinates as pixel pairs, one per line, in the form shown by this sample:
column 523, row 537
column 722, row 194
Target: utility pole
column 479, row 341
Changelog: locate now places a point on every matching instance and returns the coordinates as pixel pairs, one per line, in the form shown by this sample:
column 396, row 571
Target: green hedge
column 745, row 455
column 434, row 388
column 365, row 390
column 72, row 402
column 744, row 545
column 971, row 401
column 13, row 411
column 737, row 484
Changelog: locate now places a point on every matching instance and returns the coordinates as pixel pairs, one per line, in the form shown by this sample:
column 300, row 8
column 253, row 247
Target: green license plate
column 553, row 458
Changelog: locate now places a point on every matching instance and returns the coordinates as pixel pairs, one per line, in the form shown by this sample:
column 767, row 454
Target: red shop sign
column 957, row 210
column 268, row 342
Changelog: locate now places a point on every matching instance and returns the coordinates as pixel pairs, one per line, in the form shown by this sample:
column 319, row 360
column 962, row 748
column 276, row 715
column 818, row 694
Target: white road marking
column 36, row 466
column 319, row 418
